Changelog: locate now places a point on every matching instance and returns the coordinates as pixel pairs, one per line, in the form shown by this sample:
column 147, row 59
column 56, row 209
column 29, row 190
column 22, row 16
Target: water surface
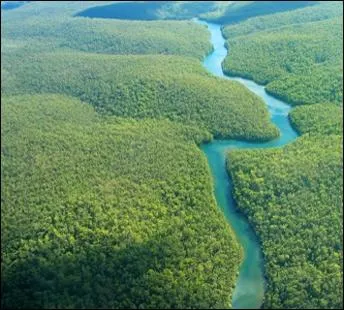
column 11, row 5
column 249, row 289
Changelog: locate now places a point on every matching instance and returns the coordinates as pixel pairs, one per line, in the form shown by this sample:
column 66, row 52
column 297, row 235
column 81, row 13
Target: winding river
column 249, row 289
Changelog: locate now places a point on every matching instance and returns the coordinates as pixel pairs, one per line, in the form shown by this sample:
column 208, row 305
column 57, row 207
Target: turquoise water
column 249, row 289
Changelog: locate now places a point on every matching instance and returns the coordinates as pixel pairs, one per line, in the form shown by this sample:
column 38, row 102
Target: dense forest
column 106, row 36
column 328, row 9
column 318, row 119
column 99, row 209
column 106, row 197
column 322, row 83
column 150, row 10
column 111, row 212
column 129, row 86
column 293, row 197
column 294, row 59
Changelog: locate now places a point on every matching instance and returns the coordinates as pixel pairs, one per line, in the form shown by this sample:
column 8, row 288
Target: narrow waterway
column 249, row 289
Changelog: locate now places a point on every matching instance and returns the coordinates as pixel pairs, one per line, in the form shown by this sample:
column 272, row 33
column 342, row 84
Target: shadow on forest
column 257, row 8
column 94, row 275
column 126, row 10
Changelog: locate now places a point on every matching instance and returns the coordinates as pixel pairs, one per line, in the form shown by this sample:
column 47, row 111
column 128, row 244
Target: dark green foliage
column 328, row 9
column 144, row 86
column 108, row 213
column 318, row 119
column 236, row 11
column 293, row 197
column 100, row 211
column 300, row 62
column 105, row 212
column 109, row 36
column 125, row 10
column 322, row 83
column 49, row 9
column 139, row 10
column 149, row 10
column 51, row 25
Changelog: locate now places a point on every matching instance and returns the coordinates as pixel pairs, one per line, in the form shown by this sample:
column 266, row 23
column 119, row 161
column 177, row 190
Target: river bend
column 250, row 285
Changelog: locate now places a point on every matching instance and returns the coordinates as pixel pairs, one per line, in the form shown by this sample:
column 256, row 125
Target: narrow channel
column 250, row 285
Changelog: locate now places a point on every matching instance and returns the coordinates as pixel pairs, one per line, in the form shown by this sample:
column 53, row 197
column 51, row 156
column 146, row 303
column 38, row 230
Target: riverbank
column 249, row 290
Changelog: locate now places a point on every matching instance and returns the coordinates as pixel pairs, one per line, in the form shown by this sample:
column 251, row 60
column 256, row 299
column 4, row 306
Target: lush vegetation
column 106, row 200
column 34, row 46
column 107, row 36
column 150, row 10
column 111, row 212
column 299, row 54
column 147, row 10
column 129, row 86
column 293, row 197
column 315, row 13
column 49, row 9
column 318, row 119
column 114, row 209
column 322, row 83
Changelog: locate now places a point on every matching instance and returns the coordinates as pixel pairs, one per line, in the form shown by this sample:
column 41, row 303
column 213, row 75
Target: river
column 250, row 285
